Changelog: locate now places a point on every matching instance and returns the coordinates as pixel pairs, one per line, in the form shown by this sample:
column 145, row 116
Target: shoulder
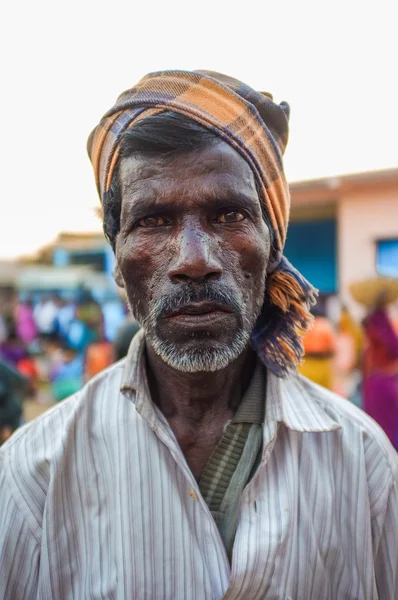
column 27, row 460
column 348, row 415
column 57, row 417
column 361, row 439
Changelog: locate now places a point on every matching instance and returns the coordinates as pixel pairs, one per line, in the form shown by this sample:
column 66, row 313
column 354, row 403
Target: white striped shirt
column 97, row 501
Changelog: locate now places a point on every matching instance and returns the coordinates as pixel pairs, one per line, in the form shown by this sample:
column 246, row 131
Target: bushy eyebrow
column 143, row 206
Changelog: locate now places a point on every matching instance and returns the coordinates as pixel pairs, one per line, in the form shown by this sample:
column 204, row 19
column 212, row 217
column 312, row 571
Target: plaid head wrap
column 258, row 129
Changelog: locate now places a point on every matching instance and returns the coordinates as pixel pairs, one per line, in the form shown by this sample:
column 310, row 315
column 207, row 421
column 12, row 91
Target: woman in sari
column 25, row 323
column 380, row 372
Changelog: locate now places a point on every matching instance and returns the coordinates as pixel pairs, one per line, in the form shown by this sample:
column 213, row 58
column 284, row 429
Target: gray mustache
column 203, row 293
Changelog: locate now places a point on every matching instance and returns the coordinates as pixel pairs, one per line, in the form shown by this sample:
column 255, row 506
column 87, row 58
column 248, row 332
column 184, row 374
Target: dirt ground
column 33, row 408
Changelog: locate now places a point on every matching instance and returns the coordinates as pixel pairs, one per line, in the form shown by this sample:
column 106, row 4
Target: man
column 45, row 314
column 13, row 389
column 124, row 335
column 201, row 466
column 319, row 347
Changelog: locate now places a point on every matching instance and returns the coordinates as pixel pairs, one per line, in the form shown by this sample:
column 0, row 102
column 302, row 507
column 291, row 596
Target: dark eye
column 155, row 221
column 234, row 216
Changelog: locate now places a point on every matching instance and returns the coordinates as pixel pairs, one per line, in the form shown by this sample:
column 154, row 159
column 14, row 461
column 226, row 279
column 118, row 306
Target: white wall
column 362, row 220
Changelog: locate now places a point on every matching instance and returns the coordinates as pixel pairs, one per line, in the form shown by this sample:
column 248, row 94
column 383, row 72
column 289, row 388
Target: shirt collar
column 135, row 383
column 291, row 402
column 288, row 400
column 134, row 363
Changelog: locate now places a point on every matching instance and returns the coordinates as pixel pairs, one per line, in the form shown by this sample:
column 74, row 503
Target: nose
column 195, row 259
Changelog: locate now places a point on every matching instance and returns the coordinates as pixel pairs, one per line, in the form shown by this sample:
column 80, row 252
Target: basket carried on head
column 378, row 290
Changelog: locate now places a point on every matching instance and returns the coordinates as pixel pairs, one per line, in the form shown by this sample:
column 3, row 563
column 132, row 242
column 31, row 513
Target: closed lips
column 199, row 308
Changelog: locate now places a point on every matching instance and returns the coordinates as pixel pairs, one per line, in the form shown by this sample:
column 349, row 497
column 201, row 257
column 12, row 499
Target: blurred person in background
column 89, row 313
column 52, row 348
column 13, row 390
column 348, row 356
column 10, row 414
column 349, row 327
column 46, row 357
column 97, row 356
column 64, row 318
column 12, row 350
column 3, row 329
column 113, row 315
column 319, row 347
column 201, row 466
column 380, row 370
column 7, row 311
column 45, row 313
column 67, row 377
column 25, row 324
column 80, row 335
column 124, row 335
column 28, row 367
column 87, row 325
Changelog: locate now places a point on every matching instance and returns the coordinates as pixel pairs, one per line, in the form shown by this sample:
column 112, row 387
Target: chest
column 133, row 522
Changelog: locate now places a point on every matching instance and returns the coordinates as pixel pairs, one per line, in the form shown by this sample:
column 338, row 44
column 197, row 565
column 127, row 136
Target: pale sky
column 64, row 64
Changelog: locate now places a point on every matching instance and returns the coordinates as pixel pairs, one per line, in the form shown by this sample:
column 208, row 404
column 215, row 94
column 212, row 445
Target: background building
column 74, row 262
column 87, row 249
column 344, row 229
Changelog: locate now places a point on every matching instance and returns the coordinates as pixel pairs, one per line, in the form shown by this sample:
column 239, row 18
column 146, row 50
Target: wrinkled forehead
column 214, row 170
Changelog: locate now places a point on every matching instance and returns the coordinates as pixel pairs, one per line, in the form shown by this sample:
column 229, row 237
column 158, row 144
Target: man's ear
column 275, row 258
column 118, row 277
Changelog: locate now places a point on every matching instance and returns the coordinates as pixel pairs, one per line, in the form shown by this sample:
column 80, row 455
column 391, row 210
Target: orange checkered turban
column 257, row 128
column 248, row 120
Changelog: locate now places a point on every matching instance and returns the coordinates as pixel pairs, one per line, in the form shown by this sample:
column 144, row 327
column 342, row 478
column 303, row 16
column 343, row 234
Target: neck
column 197, row 397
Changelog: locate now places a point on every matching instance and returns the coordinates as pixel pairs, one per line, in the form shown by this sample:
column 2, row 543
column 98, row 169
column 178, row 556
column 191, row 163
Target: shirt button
column 193, row 494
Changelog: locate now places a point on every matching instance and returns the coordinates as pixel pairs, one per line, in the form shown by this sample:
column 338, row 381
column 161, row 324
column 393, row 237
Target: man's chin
column 199, row 353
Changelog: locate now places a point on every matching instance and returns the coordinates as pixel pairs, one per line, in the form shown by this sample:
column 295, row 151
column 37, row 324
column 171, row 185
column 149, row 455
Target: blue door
column 311, row 247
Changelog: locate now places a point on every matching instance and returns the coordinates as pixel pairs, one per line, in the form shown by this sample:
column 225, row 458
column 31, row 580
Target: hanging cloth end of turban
column 285, row 318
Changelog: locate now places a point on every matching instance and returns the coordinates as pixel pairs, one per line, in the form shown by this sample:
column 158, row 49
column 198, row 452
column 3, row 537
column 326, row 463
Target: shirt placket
column 242, row 570
column 215, row 551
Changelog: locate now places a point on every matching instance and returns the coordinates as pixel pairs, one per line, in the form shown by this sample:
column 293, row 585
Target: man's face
column 193, row 250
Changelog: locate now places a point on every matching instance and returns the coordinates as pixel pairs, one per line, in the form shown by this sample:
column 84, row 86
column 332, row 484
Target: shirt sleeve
column 385, row 538
column 19, row 549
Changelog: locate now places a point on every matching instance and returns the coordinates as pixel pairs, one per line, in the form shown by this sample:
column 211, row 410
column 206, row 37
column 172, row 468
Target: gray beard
column 193, row 360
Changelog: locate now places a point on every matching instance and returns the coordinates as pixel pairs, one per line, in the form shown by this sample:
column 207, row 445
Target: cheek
column 254, row 257
column 139, row 265
column 254, row 269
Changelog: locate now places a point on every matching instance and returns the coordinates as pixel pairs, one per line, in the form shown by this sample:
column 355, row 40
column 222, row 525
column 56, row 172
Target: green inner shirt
column 235, row 460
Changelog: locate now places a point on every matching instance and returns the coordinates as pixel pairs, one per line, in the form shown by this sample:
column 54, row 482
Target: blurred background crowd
column 55, row 334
